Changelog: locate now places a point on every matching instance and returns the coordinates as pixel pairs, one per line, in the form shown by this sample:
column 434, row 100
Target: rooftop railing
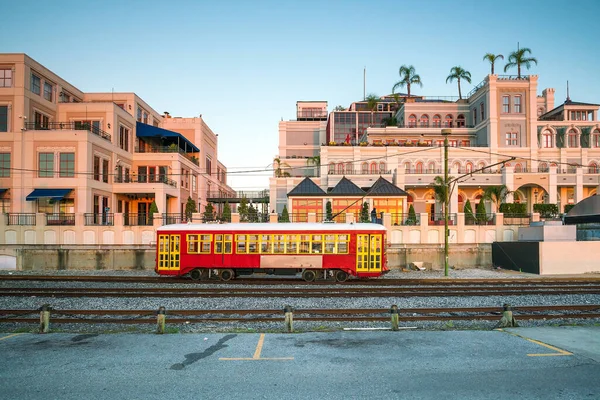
column 67, row 126
column 167, row 149
column 145, row 179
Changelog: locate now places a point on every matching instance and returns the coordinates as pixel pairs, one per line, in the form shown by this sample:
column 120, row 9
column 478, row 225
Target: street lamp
column 445, row 134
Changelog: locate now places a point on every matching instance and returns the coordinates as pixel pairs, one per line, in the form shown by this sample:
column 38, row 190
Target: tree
column 518, row 58
column 439, row 190
column 279, row 168
column 372, row 101
column 468, row 211
column 226, row 216
column 209, row 213
column 497, row 194
column 339, row 108
column 190, row 208
column 316, row 161
column 412, row 216
column 408, row 77
column 459, row 73
column 364, row 212
column 285, row 216
column 328, row 211
column 243, row 209
column 252, row 214
column 492, row 59
column 153, row 210
column 481, row 213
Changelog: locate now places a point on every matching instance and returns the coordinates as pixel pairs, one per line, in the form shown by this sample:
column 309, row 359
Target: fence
column 517, row 219
column 480, row 219
column 438, row 219
column 99, row 219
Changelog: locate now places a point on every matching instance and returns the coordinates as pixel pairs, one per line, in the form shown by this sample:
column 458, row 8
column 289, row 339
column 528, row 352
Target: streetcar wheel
column 341, row 276
column 226, row 275
column 196, row 274
column 308, row 275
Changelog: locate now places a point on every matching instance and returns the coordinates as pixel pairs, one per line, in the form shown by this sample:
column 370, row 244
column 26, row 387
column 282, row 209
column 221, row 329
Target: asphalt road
column 564, row 364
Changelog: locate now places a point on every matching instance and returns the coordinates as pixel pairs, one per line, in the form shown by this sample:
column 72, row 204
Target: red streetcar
column 317, row 250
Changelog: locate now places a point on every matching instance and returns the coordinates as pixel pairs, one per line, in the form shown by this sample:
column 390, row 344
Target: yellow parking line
column 13, row 335
column 256, row 357
column 560, row 352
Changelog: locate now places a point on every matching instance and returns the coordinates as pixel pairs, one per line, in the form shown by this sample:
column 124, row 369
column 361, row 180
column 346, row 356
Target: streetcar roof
column 300, row 226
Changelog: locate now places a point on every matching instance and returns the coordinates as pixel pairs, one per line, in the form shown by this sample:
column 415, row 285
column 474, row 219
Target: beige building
column 86, row 167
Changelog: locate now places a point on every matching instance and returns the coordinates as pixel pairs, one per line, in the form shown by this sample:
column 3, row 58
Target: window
column 223, row 244
column 512, row 139
column 437, row 121
column 474, row 112
column 364, row 168
column 194, row 183
column 505, row 104
column 517, row 100
column 419, row 168
column 595, row 139
column 543, row 167
column 340, row 168
column 46, row 165
column 67, row 165
column 4, row 165
column 424, row 121
column 41, row 121
column 93, row 126
column 331, row 169
column 301, row 208
column 142, row 174
column 518, row 168
column 5, row 77
column 36, row 83
column 373, row 168
column 460, row 121
column 412, row 121
column 381, row 167
column 208, row 165
column 431, row 167
column 123, row 138
column 573, row 138
column 349, row 168
column 199, row 244
column 3, row 118
column 482, row 109
column 547, row 140
column 145, row 119
column 593, row 168
column 96, row 168
column 48, row 89
column 448, row 121
column 139, row 114
column 469, row 167
column 105, row 171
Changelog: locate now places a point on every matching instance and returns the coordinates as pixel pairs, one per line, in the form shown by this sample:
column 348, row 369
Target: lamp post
column 446, row 133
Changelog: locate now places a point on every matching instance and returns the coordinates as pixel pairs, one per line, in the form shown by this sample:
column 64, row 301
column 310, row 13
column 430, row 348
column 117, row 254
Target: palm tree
column 407, row 78
column 497, row 194
column 459, row 73
column 492, row 59
column 518, row 58
column 279, row 167
column 316, row 161
column 372, row 101
column 439, row 190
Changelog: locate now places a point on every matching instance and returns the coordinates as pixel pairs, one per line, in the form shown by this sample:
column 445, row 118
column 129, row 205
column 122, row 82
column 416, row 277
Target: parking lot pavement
column 531, row 363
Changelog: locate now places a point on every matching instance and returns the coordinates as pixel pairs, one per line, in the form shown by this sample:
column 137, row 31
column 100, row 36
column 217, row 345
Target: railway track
column 304, row 292
column 329, row 315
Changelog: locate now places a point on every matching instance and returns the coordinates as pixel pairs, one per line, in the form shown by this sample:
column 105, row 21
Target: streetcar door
column 223, row 249
column 168, row 252
column 368, row 253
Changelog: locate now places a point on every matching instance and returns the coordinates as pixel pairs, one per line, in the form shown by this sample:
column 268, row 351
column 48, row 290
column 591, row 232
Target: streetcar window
column 205, row 243
column 253, row 244
column 278, row 244
column 304, row 247
column 192, row 241
column 342, row 247
column 317, row 243
column 329, row 244
column 241, row 244
column 291, row 244
column 265, row 244
column 227, row 239
column 219, row 244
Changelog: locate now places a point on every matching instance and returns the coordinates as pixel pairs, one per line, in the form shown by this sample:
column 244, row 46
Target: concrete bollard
column 161, row 315
column 508, row 320
column 394, row 317
column 45, row 318
column 289, row 318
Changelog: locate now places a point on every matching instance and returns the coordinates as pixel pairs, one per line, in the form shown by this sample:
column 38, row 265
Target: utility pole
column 446, row 133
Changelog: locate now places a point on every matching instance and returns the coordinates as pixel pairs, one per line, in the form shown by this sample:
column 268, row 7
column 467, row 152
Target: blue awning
column 54, row 194
column 2, row 191
column 145, row 130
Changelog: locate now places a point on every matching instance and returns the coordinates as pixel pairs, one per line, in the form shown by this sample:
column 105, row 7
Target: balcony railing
column 480, row 219
column 145, row 179
column 67, row 126
column 137, row 220
column 99, row 219
column 20, row 219
column 517, row 219
column 347, row 172
column 406, row 219
column 167, row 149
column 173, row 218
column 438, row 219
column 238, row 195
column 60, row 219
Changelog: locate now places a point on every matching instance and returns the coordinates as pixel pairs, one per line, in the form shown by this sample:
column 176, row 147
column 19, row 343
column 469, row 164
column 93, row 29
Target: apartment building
column 82, row 167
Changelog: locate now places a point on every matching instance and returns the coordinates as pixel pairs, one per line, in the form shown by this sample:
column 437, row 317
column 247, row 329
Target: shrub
column 546, row 210
column 513, row 209
column 412, row 216
column 285, row 216
column 568, row 207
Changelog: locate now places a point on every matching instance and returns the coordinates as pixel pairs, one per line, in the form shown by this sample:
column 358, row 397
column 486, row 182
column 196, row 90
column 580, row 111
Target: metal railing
column 91, row 219
column 60, row 219
column 476, row 88
column 238, row 195
column 145, row 179
column 517, row 219
column 137, row 220
column 358, row 172
column 480, row 219
column 167, row 149
column 438, row 219
column 174, row 218
column 68, row 126
column 418, row 124
column 20, row 219
column 406, row 219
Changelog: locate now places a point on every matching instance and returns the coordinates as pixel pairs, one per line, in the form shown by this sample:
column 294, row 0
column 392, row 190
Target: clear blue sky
column 244, row 64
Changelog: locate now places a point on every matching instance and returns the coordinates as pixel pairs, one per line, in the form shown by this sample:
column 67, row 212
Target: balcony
column 67, row 126
column 438, row 219
column 60, row 219
column 24, row 219
column 99, row 219
column 167, row 149
column 146, row 179
column 138, row 220
column 406, row 219
column 347, row 172
column 480, row 219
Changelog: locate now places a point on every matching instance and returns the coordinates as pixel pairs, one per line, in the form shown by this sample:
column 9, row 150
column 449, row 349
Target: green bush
column 412, row 216
column 328, row 211
column 513, row 209
column 546, row 210
column 568, row 207
column 468, row 211
column 285, row 215
column 481, row 212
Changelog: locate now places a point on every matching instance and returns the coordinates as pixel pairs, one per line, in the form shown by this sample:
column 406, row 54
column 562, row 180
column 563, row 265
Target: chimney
column 167, row 115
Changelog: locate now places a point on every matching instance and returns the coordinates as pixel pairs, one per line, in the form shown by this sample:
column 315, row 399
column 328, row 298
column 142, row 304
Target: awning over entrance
column 145, row 130
column 2, row 191
column 54, row 194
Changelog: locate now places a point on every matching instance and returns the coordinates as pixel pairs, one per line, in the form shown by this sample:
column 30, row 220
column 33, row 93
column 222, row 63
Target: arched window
column 481, row 165
column 340, row 169
column 573, row 138
column 406, row 167
column 382, row 167
column 593, row 168
column 412, row 121
column 456, row 166
column 448, row 121
column 331, row 168
column 543, row 167
column 547, row 139
column 419, row 168
column 469, row 167
column 431, row 167
column 373, row 168
column 518, row 167
column 424, row 121
column 437, row 121
column 365, row 168
column 349, row 169
column 460, row 121
column 595, row 138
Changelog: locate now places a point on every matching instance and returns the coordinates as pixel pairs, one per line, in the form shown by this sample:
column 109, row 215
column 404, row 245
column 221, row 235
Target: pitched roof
column 306, row 188
column 346, row 187
column 382, row 187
